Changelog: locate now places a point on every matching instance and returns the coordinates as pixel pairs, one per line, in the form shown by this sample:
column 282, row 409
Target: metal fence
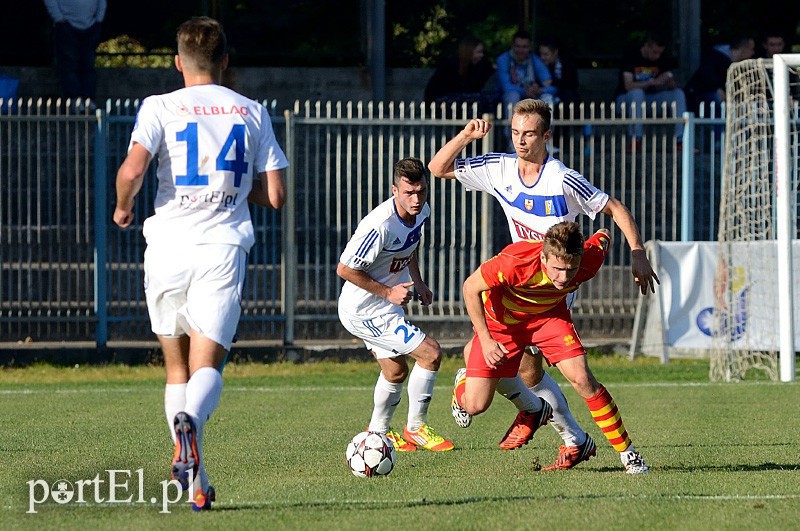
column 67, row 273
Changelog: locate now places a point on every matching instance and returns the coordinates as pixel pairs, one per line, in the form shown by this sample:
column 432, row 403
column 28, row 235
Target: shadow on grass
column 763, row 467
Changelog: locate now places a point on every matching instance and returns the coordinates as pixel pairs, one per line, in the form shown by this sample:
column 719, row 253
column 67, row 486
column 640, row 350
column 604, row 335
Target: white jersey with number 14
column 209, row 142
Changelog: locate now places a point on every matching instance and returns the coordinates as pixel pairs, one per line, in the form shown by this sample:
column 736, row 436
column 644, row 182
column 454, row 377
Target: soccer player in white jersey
column 209, row 142
column 537, row 191
column 380, row 266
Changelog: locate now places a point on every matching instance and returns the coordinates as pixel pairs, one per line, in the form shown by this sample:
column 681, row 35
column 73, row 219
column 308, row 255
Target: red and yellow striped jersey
column 519, row 287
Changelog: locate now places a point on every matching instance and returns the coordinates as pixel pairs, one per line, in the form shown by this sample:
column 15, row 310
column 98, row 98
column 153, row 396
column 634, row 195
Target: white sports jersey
column 381, row 246
column 560, row 193
column 209, row 142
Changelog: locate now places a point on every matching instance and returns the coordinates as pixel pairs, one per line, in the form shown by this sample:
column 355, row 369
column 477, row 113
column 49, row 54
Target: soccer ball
column 370, row 454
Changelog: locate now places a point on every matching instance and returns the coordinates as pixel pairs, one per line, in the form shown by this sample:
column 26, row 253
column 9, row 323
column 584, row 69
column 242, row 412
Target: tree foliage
column 418, row 32
column 125, row 51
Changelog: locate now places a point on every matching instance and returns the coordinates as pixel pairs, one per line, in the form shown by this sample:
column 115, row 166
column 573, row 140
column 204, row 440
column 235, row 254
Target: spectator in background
column 564, row 75
column 707, row 84
column 461, row 79
column 772, row 42
column 563, row 72
column 76, row 25
column 646, row 77
column 522, row 74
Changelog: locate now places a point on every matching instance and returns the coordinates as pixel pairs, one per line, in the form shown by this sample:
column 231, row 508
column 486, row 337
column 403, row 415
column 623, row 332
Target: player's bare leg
column 604, row 411
column 478, row 394
column 533, row 374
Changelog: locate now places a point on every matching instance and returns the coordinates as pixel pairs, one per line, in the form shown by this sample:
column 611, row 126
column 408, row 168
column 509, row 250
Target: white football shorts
column 195, row 287
column 387, row 336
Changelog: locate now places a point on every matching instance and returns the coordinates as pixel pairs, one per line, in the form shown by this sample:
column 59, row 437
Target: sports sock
column 420, row 391
column 606, row 416
column 515, row 390
column 563, row 421
column 385, row 398
column 174, row 403
column 202, row 397
column 459, row 392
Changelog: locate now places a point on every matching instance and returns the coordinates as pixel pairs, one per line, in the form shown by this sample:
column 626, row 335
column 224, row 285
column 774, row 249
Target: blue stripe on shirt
column 581, row 186
column 367, row 243
column 482, row 160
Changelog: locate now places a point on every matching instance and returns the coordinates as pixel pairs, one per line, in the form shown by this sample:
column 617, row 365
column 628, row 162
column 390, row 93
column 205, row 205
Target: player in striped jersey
column 380, row 266
column 518, row 298
column 537, row 191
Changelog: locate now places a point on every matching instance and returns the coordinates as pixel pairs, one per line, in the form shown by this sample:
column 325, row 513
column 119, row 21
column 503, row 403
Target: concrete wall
column 284, row 84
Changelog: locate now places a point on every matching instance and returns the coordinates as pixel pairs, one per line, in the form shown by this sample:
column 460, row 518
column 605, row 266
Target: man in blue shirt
column 522, row 74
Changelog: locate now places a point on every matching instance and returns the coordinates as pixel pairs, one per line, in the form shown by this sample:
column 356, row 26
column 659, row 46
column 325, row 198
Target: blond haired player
column 209, row 142
column 537, row 191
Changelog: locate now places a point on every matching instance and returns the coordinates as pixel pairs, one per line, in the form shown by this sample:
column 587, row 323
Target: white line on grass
column 317, row 389
column 255, row 504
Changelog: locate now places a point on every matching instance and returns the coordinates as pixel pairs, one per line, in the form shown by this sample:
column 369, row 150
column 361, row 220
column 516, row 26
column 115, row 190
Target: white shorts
column 195, row 287
column 387, row 336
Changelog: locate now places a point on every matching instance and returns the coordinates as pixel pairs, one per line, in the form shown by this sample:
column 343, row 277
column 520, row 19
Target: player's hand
column 123, row 218
column 400, row 293
column 493, row 352
column 477, row 129
column 643, row 273
column 424, row 294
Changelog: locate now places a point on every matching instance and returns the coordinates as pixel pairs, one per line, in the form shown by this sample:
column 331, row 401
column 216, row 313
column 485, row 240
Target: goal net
column 754, row 320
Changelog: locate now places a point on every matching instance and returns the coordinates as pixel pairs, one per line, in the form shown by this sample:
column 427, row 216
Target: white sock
column 202, row 397
column 515, row 390
column 563, row 421
column 420, row 391
column 386, row 397
column 174, row 403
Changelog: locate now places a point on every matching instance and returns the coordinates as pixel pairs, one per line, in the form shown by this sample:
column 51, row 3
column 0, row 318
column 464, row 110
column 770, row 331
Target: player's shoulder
column 426, row 211
column 599, row 241
column 569, row 177
column 523, row 250
column 381, row 216
column 554, row 166
column 497, row 165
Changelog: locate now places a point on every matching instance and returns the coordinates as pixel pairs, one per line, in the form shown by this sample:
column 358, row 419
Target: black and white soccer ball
column 370, row 454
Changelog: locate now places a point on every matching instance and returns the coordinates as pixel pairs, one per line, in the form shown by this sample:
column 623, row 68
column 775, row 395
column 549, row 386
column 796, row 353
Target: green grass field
column 722, row 456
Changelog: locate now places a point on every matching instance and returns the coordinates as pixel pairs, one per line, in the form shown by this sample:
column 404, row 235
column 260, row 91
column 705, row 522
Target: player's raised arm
column 442, row 164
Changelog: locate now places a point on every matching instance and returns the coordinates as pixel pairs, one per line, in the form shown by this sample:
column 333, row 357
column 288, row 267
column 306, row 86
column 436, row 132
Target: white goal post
column 755, row 293
column 786, row 141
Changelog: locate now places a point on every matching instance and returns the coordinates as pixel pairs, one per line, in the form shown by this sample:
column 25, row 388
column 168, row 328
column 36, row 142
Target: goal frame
column 783, row 197
column 754, row 316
